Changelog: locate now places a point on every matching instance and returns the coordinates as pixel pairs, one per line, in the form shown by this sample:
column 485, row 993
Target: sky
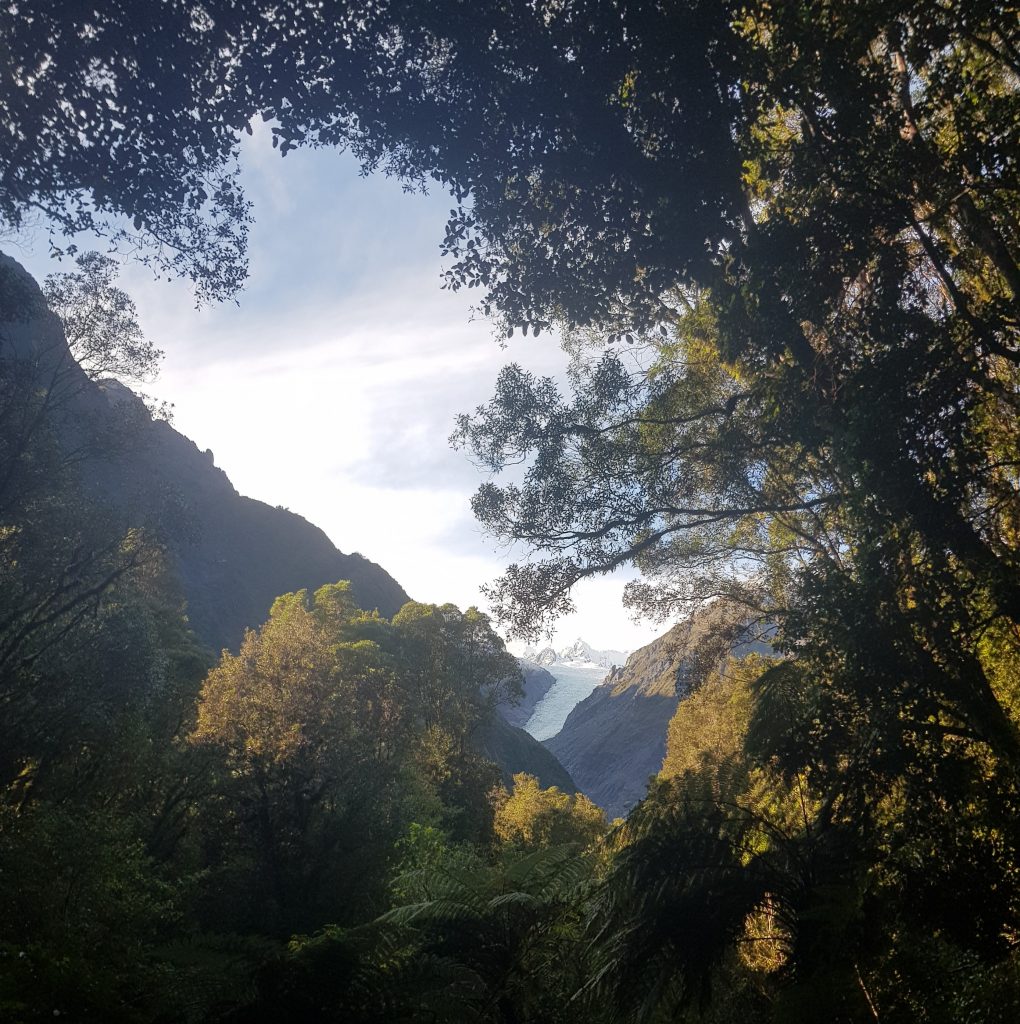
column 332, row 385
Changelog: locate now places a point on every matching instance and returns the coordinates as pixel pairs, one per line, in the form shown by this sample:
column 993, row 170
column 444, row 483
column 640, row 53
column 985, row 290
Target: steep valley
column 615, row 739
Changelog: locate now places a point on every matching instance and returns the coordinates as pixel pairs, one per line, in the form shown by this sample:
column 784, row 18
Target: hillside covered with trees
column 781, row 241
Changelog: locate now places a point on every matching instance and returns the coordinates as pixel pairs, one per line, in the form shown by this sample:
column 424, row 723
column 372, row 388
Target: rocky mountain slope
column 616, row 738
column 233, row 555
column 537, row 683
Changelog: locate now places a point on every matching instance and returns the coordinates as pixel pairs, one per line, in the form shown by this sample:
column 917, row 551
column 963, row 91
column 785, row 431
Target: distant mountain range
column 580, row 652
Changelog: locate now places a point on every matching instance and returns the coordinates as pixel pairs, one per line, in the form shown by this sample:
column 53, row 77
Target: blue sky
column 332, row 387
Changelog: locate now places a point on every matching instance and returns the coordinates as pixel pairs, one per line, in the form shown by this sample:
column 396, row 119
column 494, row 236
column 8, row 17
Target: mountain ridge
column 579, row 652
column 234, row 554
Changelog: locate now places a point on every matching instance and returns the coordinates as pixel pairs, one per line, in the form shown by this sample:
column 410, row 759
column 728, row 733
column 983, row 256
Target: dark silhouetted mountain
column 234, row 555
column 615, row 739
column 515, row 751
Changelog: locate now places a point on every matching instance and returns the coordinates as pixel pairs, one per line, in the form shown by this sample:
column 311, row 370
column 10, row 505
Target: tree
column 307, row 718
column 97, row 673
column 161, row 131
column 455, row 667
column 601, row 147
column 67, row 566
column 534, row 818
column 337, row 729
column 614, row 155
column 826, row 418
column 97, row 123
column 101, row 322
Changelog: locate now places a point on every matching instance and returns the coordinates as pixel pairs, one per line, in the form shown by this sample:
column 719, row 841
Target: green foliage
column 710, row 726
column 107, row 127
column 821, row 430
column 494, row 931
column 100, row 322
column 84, row 883
column 335, row 728
column 534, row 818
column 94, row 869
column 455, row 667
column 309, row 729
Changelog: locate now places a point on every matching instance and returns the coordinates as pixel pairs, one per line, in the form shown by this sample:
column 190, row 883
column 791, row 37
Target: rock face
column 537, row 683
column 615, row 739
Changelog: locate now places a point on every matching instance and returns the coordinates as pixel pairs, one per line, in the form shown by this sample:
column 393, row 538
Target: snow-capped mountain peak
column 580, row 652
